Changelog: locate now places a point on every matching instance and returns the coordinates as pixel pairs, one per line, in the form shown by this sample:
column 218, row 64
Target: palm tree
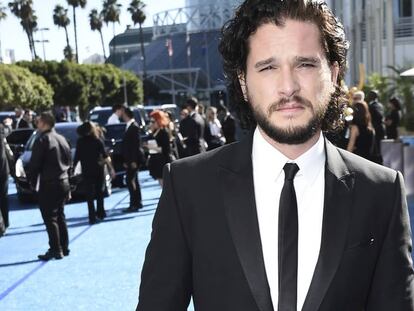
column 61, row 19
column 110, row 13
column 75, row 4
column 23, row 10
column 136, row 8
column 95, row 20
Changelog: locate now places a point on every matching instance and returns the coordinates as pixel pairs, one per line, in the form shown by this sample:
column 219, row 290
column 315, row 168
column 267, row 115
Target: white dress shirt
column 113, row 119
column 309, row 182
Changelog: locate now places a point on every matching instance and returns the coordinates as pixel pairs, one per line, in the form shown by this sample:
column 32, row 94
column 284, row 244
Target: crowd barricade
column 399, row 155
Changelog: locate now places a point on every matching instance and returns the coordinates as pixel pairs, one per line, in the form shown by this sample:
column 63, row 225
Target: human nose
column 288, row 83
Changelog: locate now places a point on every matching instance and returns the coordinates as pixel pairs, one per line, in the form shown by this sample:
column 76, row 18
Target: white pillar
column 389, row 26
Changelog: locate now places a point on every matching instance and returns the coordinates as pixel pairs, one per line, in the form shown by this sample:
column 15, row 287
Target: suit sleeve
column 166, row 276
column 393, row 282
column 37, row 159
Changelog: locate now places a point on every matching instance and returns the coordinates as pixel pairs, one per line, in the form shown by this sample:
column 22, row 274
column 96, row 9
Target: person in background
column 289, row 221
column 28, row 118
column 133, row 158
column 192, row 129
column 159, row 147
column 213, row 133
column 358, row 96
column 19, row 120
column 393, row 118
column 8, row 126
column 48, row 174
column 228, row 124
column 117, row 111
column 376, row 109
column 90, row 152
column 362, row 134
column 4, row 182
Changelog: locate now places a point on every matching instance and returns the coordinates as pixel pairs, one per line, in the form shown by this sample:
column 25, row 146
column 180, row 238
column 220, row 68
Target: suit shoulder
column 207, row 160
column 369, row 169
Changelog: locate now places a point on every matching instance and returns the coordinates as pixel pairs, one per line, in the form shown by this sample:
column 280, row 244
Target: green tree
column 87, row 86
column 20, row 87
column 61, row 19
column 95, row 21
column 75, row 4
column 23, row 10
column 136, row 8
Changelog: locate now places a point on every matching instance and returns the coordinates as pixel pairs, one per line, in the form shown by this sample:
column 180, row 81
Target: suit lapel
column 338, row 199
column 236, row 178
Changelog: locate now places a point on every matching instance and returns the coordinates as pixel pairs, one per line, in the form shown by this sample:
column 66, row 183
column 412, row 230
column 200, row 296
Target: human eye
column 307, row 65
column 266, row 68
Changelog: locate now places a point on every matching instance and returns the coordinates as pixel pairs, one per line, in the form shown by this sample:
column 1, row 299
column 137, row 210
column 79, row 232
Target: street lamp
column 123, row 76
column 43, row 41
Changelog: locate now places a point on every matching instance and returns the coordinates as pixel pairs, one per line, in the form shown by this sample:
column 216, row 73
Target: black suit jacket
column 376, row 109
column 207, row 244
column 4, row 165
column 51, row 158
column 192, row 129
column 131, row 146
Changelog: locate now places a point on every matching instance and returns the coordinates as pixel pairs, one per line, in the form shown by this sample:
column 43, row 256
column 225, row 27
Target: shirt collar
column 129, row 123
column 269, row 162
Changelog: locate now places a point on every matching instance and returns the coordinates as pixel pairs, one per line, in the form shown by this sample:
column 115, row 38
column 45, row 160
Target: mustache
column 283, row 101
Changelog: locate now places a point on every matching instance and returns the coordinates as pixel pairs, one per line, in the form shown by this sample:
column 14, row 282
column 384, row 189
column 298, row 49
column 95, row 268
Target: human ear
column 334, row 73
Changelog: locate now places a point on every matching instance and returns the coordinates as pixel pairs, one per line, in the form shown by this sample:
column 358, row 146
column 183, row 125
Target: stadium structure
column 182, row 56
column 181, row 51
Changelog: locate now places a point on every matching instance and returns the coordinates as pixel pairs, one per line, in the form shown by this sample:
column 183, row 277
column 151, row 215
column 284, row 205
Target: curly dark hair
column 249, row 17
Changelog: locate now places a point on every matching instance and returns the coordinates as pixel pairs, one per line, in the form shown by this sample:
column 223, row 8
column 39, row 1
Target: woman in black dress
column 159, row 146
column 362, row 134
column 392, row 120
column 91, row 154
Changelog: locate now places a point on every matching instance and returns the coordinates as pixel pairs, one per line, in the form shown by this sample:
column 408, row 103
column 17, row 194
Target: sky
column 12, row 35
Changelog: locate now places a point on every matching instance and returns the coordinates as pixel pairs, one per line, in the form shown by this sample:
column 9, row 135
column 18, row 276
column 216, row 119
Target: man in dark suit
column 376, row 109
column 133, row 158
column 48, row 174
column 4, row 183
column 192, row 129
column 19, row 122
column 290, row 222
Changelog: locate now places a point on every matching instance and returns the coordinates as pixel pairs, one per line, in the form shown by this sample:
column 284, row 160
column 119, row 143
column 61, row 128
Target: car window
column 19, row 136
column 115, row 131
column 30, row 142
column 100, row 116
column 68, row 132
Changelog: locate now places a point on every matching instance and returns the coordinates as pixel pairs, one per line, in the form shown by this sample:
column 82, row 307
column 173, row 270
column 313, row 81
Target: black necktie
column 288, row 242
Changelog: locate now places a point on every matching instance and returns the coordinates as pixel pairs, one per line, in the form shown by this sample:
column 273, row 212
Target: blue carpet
column 103, row 269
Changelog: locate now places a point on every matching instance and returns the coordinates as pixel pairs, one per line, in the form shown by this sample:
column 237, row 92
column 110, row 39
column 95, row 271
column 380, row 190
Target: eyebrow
column 310, row 59
column 264, row 62
column 298, row 59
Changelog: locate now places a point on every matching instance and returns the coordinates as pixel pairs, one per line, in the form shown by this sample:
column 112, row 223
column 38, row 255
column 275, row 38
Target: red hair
column 159, row 117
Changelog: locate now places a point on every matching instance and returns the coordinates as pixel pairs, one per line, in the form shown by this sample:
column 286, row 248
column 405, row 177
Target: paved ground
column 103, row 269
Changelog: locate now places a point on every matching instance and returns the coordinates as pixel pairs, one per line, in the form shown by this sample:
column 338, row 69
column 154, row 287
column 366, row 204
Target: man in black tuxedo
column 4, row 182
column 19, row 122
column 376, row 109
column 133, row 158
column 192, row 129
column 290, row 222
column 48, row 174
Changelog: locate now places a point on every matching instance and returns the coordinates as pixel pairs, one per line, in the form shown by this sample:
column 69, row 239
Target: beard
column 291, row 135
